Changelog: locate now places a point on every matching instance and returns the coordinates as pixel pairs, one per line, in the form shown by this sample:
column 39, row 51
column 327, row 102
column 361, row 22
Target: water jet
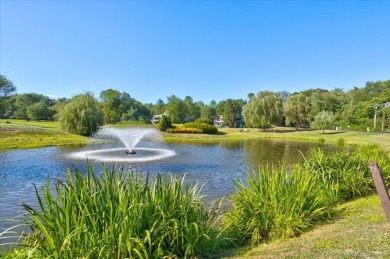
column 127, row 151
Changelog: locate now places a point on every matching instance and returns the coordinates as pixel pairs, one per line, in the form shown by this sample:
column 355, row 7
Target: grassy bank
column 360, row 231
column 330, row 136
column 33, row 134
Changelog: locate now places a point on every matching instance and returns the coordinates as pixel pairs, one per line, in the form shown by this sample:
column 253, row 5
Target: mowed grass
column 359, row 231
column 20, row 134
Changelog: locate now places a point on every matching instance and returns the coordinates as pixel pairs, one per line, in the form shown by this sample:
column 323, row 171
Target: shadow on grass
column 290, row 130
column 334, row 132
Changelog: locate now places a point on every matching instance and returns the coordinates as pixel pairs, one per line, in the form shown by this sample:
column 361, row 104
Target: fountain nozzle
column 130, row 152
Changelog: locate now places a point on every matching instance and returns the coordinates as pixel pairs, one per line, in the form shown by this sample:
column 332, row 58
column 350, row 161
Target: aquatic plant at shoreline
column 349, row 171
column 279, row 202
column 120, row 215
column 276, row 202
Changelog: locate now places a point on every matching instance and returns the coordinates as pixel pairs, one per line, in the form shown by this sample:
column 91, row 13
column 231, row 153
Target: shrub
column 202, row 127
column 184, row 130
column 165, row 123
column 121, row 216
column 276, row 203
column 204, row 120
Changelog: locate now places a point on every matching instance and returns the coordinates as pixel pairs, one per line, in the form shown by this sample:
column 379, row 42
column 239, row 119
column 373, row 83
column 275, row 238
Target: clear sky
column 209, row 50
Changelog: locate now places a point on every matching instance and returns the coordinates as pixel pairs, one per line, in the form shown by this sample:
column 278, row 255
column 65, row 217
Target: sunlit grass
column 120, row 215
column 276, row 202
column 27, row 134
column 279, row 202
column 359, row 231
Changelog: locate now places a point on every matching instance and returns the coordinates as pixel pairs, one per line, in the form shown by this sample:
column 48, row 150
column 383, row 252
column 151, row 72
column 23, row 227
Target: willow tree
column 323, row 120
column 297, row 109
column 81, row 115
column 263, row 110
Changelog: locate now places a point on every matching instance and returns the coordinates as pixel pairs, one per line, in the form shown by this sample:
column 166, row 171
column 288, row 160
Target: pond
column 215, row 164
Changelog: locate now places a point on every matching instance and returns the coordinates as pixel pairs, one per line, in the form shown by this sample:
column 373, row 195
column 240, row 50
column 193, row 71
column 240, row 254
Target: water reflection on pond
column 216, row 164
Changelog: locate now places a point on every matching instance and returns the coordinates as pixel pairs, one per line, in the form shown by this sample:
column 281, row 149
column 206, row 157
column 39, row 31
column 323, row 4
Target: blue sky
column 209, row 50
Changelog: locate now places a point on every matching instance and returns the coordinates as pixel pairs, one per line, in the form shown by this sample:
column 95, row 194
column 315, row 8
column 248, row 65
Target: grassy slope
column 359, row 231
column 23, row 134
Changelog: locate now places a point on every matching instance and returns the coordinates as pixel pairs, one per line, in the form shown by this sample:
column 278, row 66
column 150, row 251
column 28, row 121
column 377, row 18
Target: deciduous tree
column 81, row 115
column 297, row 109
column 323, row 120
column 263, row 110
column 39, row 111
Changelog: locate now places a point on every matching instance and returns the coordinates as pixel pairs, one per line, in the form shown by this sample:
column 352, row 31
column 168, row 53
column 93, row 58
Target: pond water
column 216, row 164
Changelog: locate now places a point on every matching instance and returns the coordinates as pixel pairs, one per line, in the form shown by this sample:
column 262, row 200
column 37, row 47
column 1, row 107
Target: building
column 156, row 119
column 238, row 123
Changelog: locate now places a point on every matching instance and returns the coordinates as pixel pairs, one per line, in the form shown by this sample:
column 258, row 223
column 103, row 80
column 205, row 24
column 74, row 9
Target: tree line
column 316, row 108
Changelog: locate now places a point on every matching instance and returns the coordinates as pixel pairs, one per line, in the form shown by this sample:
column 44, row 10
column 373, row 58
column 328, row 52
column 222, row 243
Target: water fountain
column 129, row 152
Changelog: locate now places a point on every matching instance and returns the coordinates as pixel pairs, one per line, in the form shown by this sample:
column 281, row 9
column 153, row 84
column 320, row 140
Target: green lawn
column 360, row 230
column 32, row 134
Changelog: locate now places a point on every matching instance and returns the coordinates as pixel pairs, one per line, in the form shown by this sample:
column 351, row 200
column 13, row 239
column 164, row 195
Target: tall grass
column 276, row 203
column 349, row 171
column 120, row 216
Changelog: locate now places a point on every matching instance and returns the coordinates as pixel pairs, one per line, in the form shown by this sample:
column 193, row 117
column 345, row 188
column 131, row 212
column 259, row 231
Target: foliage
column 323, row 120
column 19, row 103
column 165, row 123
column 158, row 108
column 39, row 111
column 114, row 104
column 81, row 115
column 208, row 111
column 202, row 127
column 181, row 129
column 137, row 112
column 349, row 171
column 177, row 109
column 204, row 120
column 343, row 171
column 276, row 202
column 194, row 128
column 193, row 110
column 262, row 110
column 120, row 216
column 296, row 109
column 324, row 100
column 229, row 113
column 7, row 87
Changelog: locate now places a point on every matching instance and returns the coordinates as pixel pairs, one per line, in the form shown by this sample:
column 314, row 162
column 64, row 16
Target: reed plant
column 119, row 215
column 276, row 202
column 349, row 171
